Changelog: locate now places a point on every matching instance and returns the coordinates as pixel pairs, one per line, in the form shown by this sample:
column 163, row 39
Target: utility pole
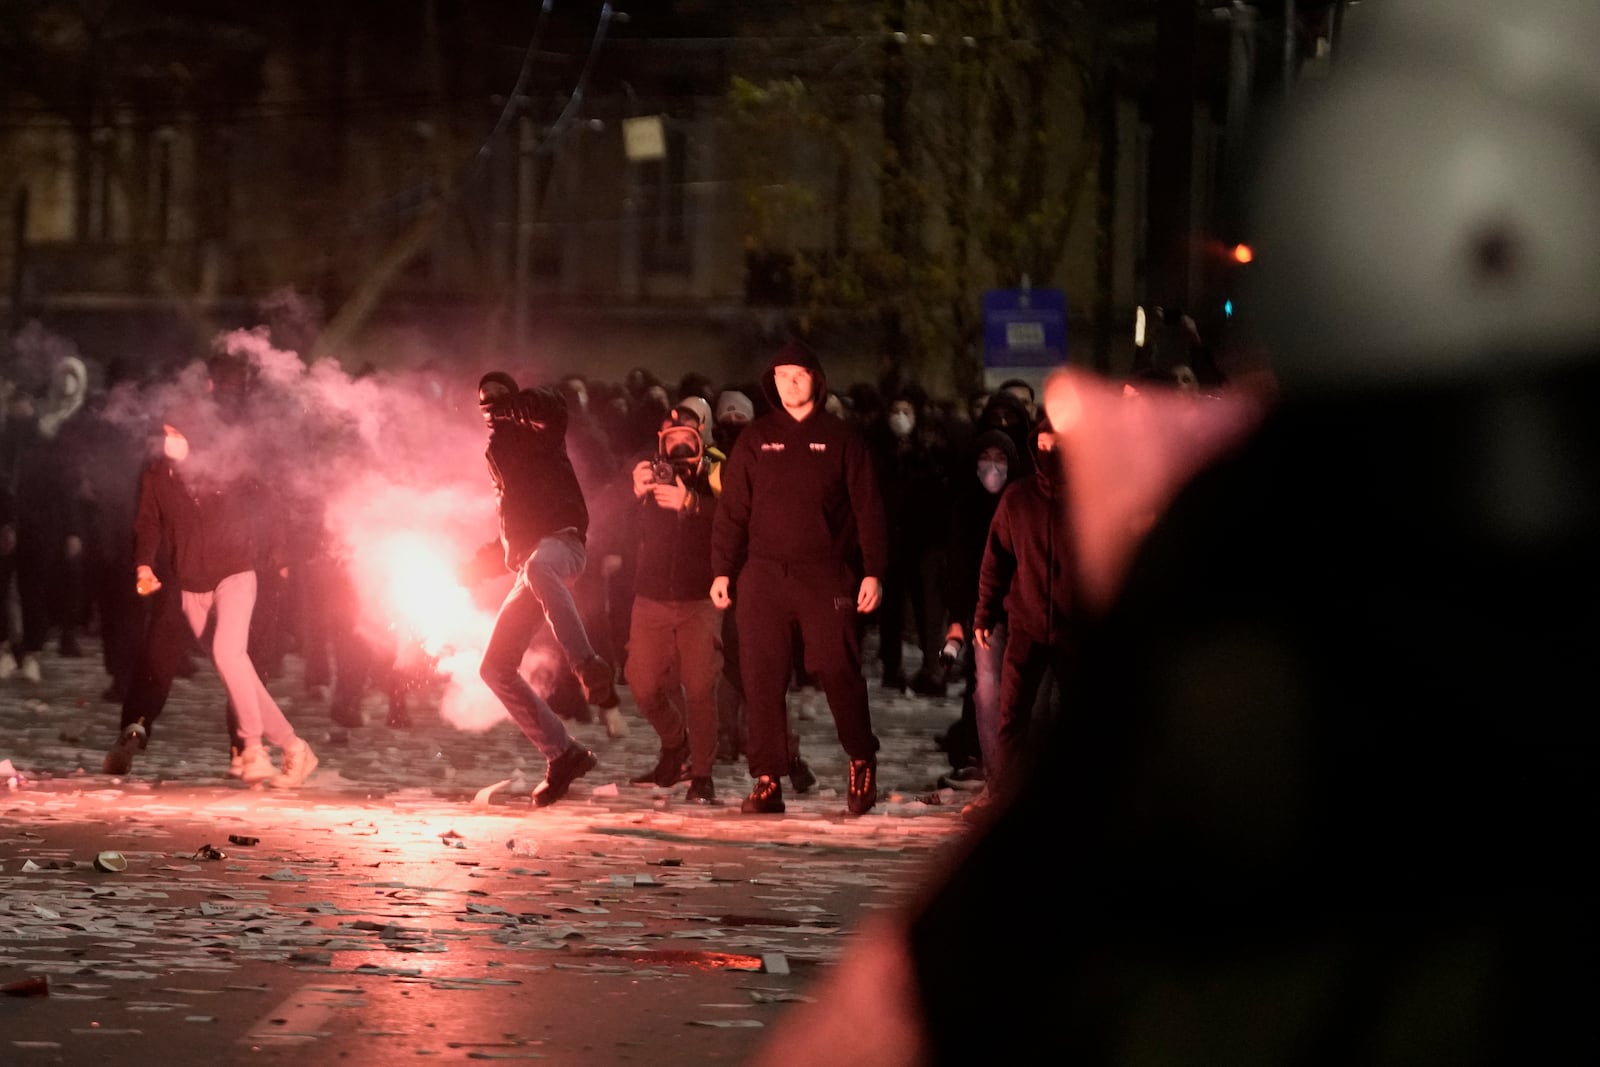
column 521, row 255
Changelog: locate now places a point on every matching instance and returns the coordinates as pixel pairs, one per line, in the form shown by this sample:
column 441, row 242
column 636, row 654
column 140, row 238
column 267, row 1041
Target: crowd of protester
column 69, row 492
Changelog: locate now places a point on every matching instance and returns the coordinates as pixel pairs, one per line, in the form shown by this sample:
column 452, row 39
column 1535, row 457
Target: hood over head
column 997, row 439
column 696, row 406
column 795, row 354
column 497, row 377
column 1047, row 467
column 733, row 402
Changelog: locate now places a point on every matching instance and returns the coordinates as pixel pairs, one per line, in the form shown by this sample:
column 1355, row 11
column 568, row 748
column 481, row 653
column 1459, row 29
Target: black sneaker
column 348, row 714
column 801, row 776
column 863, row 785
column 120, row 759
column 571, row 765
column 765, row 799
column 925, row 684
column 701, row 791
column 671, row 768
column 599, row 682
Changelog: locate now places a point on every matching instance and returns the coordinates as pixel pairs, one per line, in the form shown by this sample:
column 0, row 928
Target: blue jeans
column 541, row 594
column 986, row 664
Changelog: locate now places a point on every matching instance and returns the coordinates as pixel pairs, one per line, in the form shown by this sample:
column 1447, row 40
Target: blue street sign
column 1024, row 327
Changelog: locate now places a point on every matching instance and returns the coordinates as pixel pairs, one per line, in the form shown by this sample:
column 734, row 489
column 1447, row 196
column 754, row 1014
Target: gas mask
column 679, row 450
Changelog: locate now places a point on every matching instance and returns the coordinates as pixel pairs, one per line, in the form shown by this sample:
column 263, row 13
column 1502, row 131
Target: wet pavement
column 407, row 903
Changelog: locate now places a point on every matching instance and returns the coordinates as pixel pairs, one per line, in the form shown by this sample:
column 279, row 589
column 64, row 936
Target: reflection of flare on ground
column 699, row 959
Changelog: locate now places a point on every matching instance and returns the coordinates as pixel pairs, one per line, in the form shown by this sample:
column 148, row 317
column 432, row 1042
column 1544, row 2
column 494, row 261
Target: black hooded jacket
column 1028, row 569
column 533, row 478
column 973, row 510
column 799, row 492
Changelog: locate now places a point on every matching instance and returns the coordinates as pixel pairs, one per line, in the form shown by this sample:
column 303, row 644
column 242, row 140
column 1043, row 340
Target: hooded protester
column 675, row 638
column 734, row 412
column 64, row 397
column 913, row 467
column 217, row 532
column 1025, row 603
column 993, row 467
column 801, row 526
column 1006, row 411
column 52, row 518
column 544, row 524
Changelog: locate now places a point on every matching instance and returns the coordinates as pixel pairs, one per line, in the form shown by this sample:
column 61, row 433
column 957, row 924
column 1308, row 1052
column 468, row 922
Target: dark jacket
column 799, row 492
column 212, row 533
column 673, row 548
column 974, row 508
column 533, row 478
column 1027, row 572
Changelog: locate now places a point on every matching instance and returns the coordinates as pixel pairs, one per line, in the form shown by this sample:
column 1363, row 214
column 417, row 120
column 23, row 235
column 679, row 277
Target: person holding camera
column 675, row 633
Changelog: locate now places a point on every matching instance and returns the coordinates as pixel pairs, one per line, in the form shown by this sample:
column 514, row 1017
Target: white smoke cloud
column 353, row 465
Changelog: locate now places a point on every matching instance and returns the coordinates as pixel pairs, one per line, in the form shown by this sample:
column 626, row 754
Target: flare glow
column 419, row 592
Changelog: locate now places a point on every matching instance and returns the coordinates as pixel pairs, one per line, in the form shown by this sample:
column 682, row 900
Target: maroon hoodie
column 1027, row 573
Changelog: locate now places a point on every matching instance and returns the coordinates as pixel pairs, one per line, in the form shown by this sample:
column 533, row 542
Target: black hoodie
column 533, row 478
column 969, row 524
column 799, row 492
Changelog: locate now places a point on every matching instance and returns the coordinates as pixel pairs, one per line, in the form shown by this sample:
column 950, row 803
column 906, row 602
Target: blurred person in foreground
column 1323, row 789
column 543, row 525
column 801, row 524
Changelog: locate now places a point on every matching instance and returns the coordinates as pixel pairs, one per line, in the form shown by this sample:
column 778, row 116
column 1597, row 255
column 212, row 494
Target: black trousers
column 166, row 648
column 817, row 600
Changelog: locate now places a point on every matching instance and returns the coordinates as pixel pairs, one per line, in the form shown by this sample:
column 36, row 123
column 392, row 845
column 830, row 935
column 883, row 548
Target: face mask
column 992, row 475
column 900, row 424
column 176, row 447
column 726, row 433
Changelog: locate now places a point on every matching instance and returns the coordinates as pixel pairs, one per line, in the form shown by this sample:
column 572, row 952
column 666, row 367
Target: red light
column 1243, row 253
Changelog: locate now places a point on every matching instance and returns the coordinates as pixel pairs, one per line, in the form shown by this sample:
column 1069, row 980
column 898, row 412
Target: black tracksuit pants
column 773, row 600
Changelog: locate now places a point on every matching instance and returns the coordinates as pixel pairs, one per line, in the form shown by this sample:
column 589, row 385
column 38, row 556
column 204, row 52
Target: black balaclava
column 493, row 377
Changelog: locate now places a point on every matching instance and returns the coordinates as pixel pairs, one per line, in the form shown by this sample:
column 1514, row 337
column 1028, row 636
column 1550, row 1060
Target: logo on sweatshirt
column 819, row 446
column 772, row 446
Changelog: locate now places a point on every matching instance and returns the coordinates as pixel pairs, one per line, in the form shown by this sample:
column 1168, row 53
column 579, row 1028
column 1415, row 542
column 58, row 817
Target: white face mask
column 900, row 424
column 992, row 475
column 176, row 447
